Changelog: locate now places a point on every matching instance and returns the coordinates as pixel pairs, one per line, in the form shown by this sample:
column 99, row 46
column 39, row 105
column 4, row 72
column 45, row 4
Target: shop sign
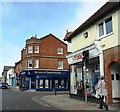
column 47, row 72
column 78, row 57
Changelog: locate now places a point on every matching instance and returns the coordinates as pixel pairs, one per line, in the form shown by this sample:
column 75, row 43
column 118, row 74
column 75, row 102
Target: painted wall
column 108, row 41
column 112, row 40
column 80, row 41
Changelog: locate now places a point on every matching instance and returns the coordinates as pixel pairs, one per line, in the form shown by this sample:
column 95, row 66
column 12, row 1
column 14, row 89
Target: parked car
column 4, row 85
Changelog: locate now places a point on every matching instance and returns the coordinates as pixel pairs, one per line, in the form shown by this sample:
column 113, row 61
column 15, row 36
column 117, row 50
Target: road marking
column 40, row 102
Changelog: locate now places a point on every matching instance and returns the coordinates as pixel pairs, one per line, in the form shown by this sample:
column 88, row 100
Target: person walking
column 102, row 93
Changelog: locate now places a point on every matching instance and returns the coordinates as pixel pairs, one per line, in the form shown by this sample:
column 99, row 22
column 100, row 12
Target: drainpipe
column 98, row 46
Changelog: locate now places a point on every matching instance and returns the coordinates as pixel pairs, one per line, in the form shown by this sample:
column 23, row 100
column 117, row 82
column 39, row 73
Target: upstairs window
column 60, row 50
column 60, row 64
column 29, row 63
column 36, row 49
column 36, row 63
column 30, row 49
column 105, row 27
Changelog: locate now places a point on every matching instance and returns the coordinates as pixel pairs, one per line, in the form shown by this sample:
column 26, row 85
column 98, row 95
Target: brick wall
column 48, row 56
column 110, row 55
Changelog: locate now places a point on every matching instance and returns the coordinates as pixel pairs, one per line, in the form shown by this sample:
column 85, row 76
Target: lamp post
column 85, row 63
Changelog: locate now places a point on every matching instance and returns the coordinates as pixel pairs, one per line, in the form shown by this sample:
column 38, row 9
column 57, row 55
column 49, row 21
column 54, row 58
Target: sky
column 20, row 20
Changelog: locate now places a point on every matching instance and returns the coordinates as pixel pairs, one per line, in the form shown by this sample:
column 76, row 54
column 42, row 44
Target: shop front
column 78, row 79
column 45, row 80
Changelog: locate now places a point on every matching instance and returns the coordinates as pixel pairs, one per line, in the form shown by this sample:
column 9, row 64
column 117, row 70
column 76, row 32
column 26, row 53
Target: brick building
column 43, row 64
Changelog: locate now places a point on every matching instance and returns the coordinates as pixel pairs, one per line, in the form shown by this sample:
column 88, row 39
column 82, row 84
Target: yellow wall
column 80, row 42
column 112, row 40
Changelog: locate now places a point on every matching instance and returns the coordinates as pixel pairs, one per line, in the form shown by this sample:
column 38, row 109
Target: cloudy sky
column 22, row 19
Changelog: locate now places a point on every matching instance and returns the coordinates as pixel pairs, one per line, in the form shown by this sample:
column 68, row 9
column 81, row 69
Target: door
column 32, row 83
column 115, row 76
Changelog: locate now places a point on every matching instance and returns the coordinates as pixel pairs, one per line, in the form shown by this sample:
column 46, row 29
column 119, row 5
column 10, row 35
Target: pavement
column 63, row 101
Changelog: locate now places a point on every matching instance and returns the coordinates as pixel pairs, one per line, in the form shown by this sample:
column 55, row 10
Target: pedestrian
column 102, row 93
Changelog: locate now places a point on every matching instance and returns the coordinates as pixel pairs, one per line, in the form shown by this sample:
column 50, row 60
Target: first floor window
column 60, row 64
column 36, row 64
column 29, row 63
column 105, row 27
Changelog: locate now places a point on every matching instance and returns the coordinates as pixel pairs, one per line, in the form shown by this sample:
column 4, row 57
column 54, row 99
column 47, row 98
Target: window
column 112, row 76
column 36, row 63
column 36, row 49
column 30, row 49
column 117, row 77
column 60, row 64
column 30, row 63
column 105, row 27
column 60, row 50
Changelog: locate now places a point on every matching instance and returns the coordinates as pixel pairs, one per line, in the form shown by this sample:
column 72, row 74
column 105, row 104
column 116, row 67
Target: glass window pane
column 36, row 64
column 60, row 64
column 36, row 48
column 30, row 49
column 101, row 29
column 117, row 77
column 112, row 76
column 108, row 24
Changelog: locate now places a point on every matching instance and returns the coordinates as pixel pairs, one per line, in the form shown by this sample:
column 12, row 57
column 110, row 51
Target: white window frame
column 60, row 50
column 36, row 49
column 29, row 62
column 36, row 63
column 60, row 64
column 30, row 49
column 104, row 28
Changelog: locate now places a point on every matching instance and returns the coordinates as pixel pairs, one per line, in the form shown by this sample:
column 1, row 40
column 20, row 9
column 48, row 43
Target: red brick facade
column 47, row 56
column 110, row 55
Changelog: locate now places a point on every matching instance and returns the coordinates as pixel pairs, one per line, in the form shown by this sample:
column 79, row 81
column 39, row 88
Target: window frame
column 35, row 49
column 28, row 62
column 61, row 66
column 37, row 60
column 60, row 49
column 30, row 50
column 104, row 27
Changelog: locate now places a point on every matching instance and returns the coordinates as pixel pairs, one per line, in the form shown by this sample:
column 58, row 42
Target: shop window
column 40, row 83
column 112, row 76
column 46, row 83
column 56, row 83
column 117, row 77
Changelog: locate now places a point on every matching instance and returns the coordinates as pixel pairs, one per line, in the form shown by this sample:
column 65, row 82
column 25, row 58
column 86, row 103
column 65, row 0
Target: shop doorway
column 115, row 76
column 32, row 83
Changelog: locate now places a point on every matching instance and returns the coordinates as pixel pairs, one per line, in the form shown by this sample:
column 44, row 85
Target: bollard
column 55, row 92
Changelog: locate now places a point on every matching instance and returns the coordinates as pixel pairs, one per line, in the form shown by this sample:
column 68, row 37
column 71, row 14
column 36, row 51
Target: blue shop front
column 45, row 80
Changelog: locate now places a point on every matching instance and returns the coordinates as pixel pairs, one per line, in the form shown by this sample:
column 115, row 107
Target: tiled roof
column 67, row 35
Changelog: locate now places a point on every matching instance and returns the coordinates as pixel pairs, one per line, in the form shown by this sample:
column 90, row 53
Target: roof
column 67, row 35
column 101, row 13
column 6, row 68
column 54, row 37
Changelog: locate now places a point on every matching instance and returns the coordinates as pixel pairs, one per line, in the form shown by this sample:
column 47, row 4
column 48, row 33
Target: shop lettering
column 46, row 72
column 77, row 57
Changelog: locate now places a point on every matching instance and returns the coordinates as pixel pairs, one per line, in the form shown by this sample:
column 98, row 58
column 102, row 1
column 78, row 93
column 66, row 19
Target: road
column 13, row 99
